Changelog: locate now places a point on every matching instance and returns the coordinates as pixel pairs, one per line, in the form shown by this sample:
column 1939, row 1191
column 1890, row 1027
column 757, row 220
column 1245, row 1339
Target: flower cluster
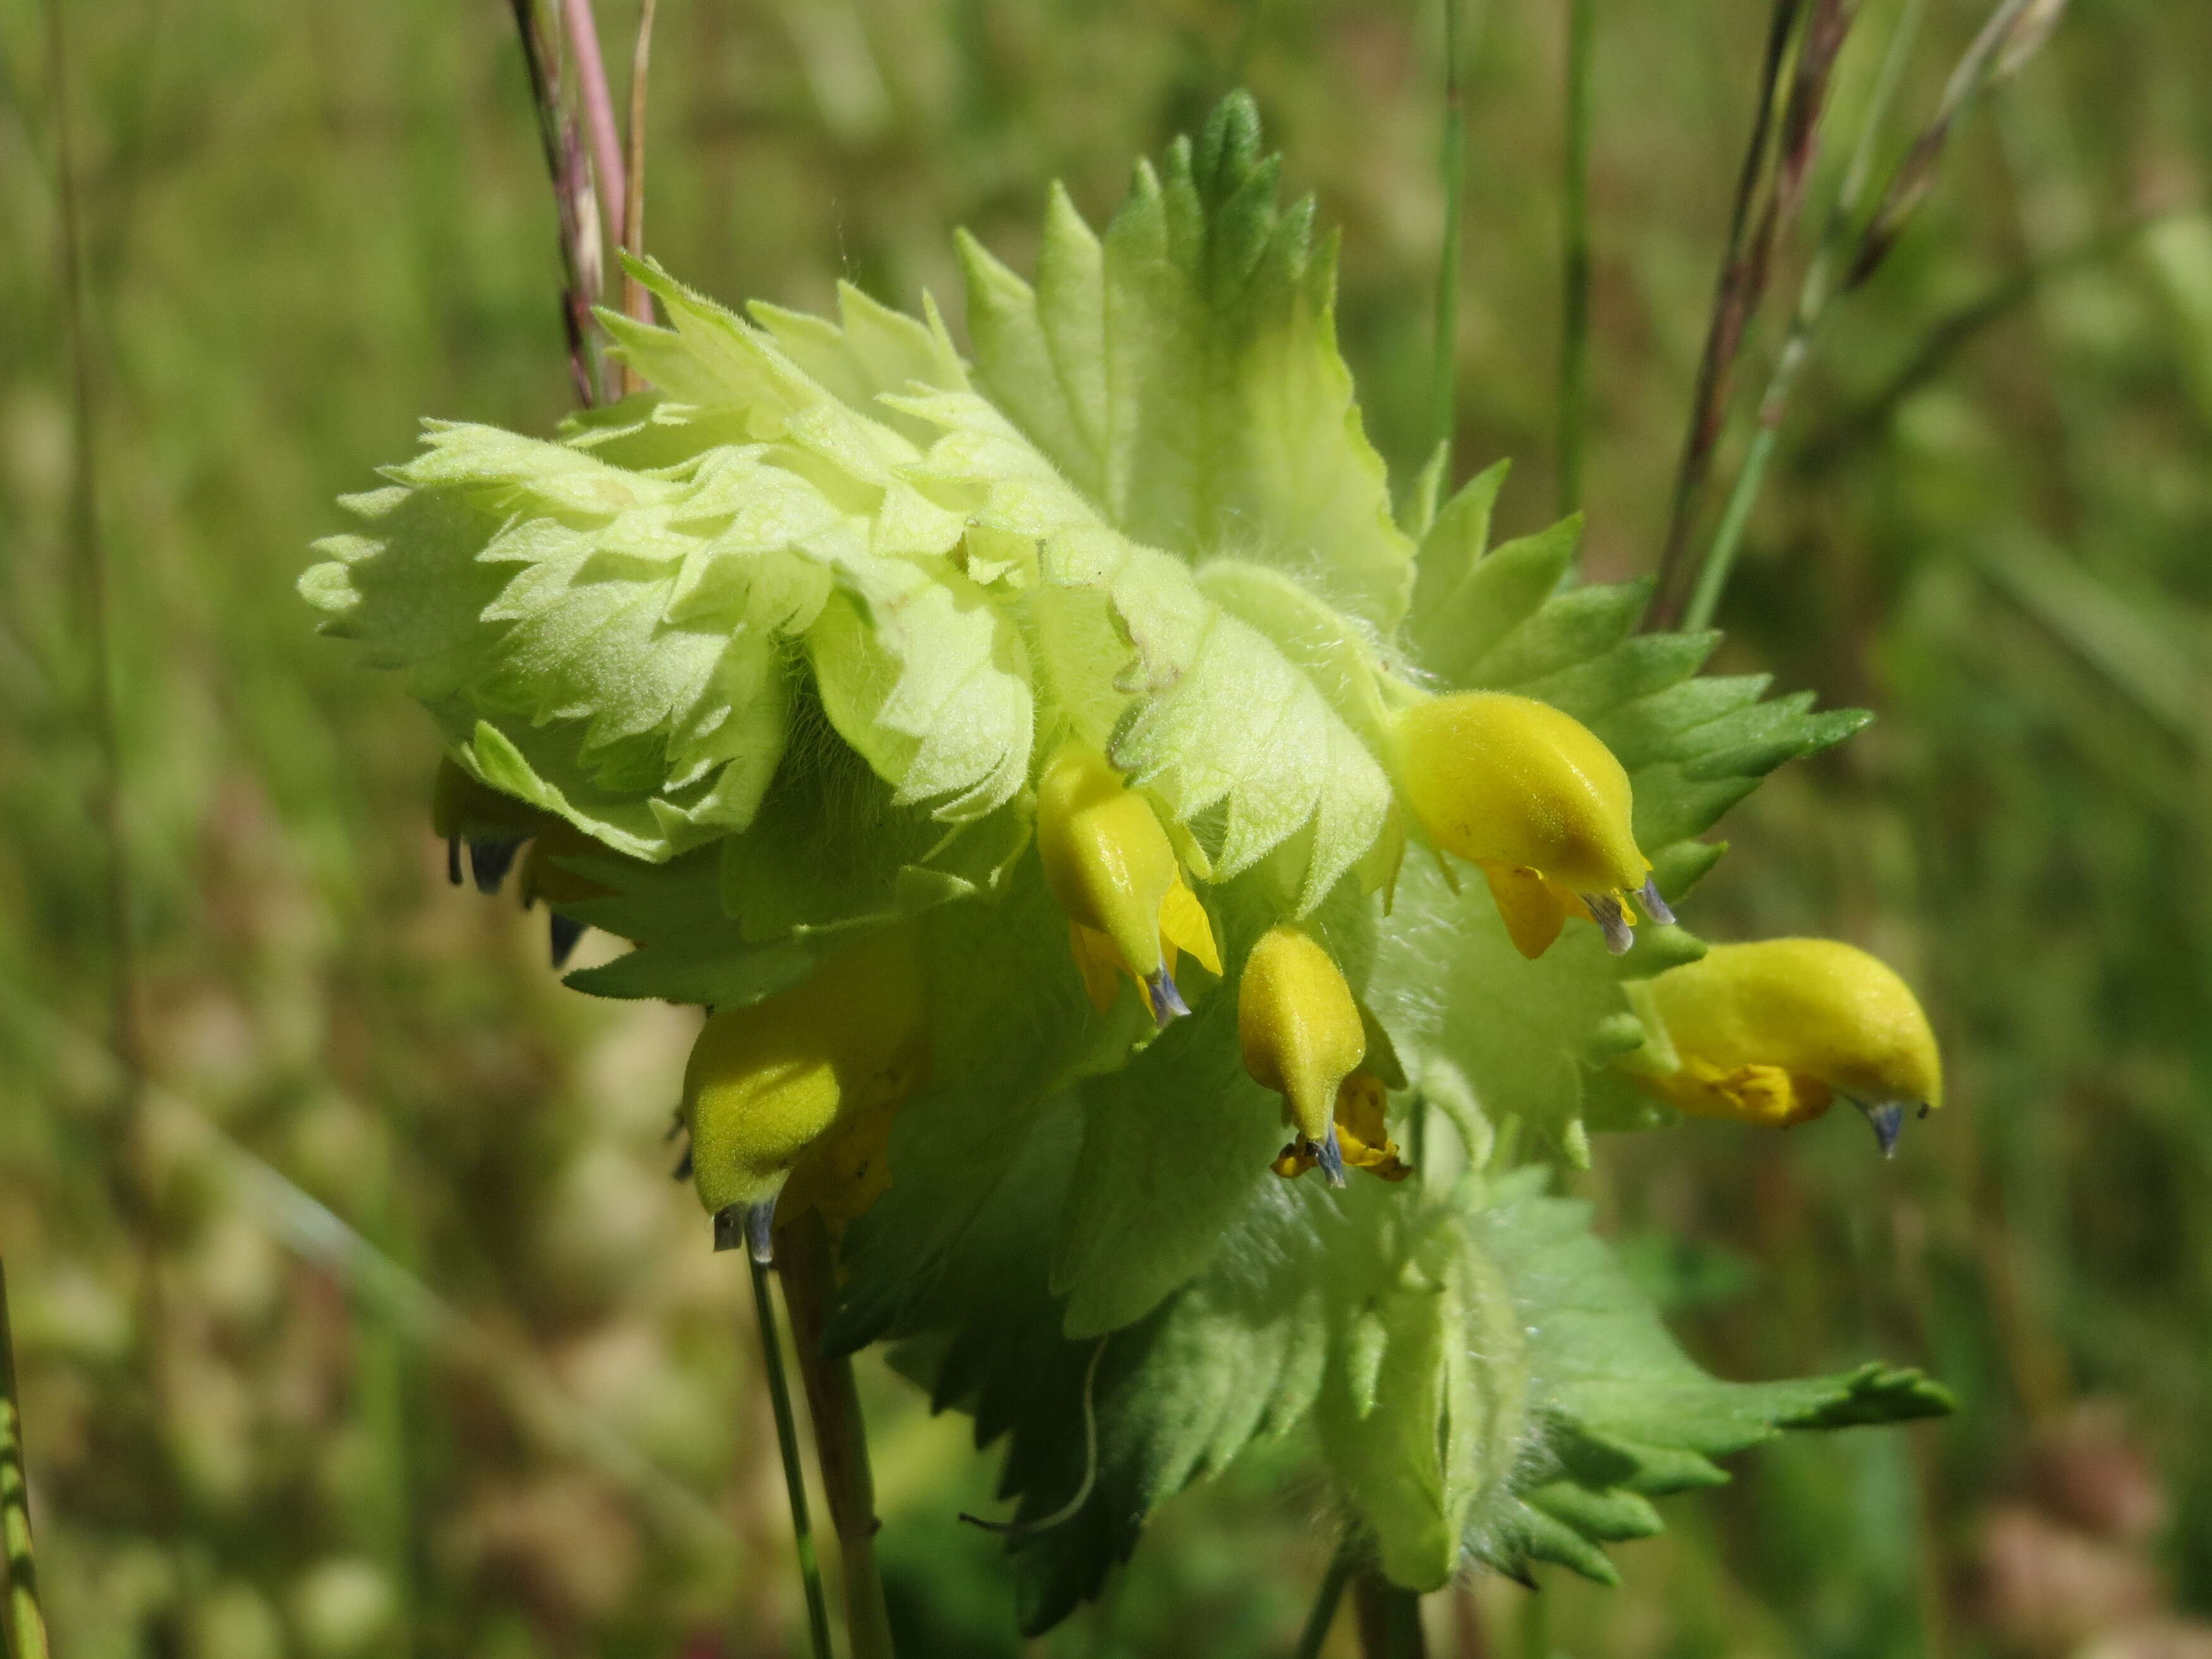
column 1056, row 769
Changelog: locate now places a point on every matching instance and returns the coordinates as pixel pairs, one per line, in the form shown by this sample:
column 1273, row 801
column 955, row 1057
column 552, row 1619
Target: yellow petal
column 1764, row 1094
column 1184, row 927
column 1099, row 963
column 1531, row 910
column 1107, row 860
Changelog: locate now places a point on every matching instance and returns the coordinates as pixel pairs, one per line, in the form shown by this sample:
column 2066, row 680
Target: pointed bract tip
column 1888, row 1118
column 565, row 931
column 490, row 861
column 1655, row 906
column 1607, row 912
column 1167, row 1001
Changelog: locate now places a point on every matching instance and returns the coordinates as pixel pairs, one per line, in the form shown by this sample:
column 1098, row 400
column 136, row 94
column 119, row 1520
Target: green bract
column 791, row 636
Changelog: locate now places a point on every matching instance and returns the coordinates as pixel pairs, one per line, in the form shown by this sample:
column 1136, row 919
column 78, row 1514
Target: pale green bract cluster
column 791, row 638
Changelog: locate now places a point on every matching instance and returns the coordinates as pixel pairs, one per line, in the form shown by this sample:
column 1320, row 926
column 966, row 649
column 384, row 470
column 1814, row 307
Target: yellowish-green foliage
column 306, row 227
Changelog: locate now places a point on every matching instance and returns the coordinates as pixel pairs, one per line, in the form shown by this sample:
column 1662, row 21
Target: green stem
column 1443, row 397
column 794, row 1478
column 1575, row 257
column 1323, row 1619
column 841, row 1437
column 22, row 1625
column 1389, row 1620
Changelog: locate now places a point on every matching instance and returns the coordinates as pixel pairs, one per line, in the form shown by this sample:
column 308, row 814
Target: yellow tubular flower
column 1531, row 797
column 1300, row 1035
column 1771, row 1032
column 821, row 1066
column 1112, row 871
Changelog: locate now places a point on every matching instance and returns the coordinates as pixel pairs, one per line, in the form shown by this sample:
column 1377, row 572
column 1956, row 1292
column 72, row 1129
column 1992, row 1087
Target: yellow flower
column 1772, row 1032
column 1362, row 1137
column 1531, row 798
column 1300, row 1035
column 1112, row 871
column 820, row 1067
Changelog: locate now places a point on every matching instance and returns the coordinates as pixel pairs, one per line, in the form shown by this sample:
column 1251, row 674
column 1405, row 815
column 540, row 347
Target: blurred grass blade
column 23, row 1622
column 1575, row 257
column 2104, row 629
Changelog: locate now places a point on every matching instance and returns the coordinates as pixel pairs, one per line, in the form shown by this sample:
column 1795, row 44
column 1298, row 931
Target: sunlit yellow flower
column 1300, row 1035
column 769, row 1084
column 1111, row 868
column 1362, row 1137
column 1531, row 798
column 1772, row 1032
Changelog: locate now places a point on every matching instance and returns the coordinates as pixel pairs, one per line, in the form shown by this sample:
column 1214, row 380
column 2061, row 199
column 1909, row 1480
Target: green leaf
column 1185, row 374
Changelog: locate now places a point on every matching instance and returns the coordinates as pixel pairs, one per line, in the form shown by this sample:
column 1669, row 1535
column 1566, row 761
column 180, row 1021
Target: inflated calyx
column 1529, row 796
column 819, row 1067
column 1772, row 1032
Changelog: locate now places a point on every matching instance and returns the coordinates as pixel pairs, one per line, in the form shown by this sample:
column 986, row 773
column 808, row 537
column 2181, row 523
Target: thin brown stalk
column 1389, row 1619
column 582, row 258
column 636, row 301
column 583, row 31
column 1736, row 298
column 803, row 1262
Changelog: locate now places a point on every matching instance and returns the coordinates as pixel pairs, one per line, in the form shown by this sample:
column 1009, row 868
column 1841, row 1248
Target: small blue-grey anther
column 1655, row 906
column 565, row 932
column 1330, row 1156
column 490, row 861
column 1888, row 1118
column 1607, row 912
column 1167, row 1001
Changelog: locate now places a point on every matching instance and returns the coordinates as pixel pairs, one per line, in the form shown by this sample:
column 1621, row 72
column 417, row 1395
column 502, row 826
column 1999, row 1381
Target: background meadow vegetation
column 356, row 1311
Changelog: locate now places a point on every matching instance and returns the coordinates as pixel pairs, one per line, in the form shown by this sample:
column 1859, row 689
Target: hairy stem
column 583, row 31
column 23, row 1625
column 794, row 1478
column 636, row 301
column 841, row 1439
column 1575, row 257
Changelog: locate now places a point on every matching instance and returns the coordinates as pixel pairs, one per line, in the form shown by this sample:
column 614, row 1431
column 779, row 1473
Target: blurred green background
column 515, row 1410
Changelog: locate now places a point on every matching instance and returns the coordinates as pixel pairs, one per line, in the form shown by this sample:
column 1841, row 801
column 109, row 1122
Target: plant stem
column 1575, row 257
column 794, row 1478
column 1330, row 1593
column 1390, row 1619
column 23, row 1625
column 582, row 258
column 1813, row 295
column 1444, row 397
column 841, row 1437
column 583, row 31
column 1736, row 295
column 1535, row 1628
column 636, row 301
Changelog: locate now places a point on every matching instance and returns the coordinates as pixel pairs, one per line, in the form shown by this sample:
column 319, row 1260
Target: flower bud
column 1111, row 869
column 1771, row 1032
column 767, row 1083
column 1530, row 796
column 1301, row 1035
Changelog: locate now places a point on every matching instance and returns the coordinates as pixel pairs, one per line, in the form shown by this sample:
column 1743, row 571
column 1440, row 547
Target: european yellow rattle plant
column 1166, row 912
